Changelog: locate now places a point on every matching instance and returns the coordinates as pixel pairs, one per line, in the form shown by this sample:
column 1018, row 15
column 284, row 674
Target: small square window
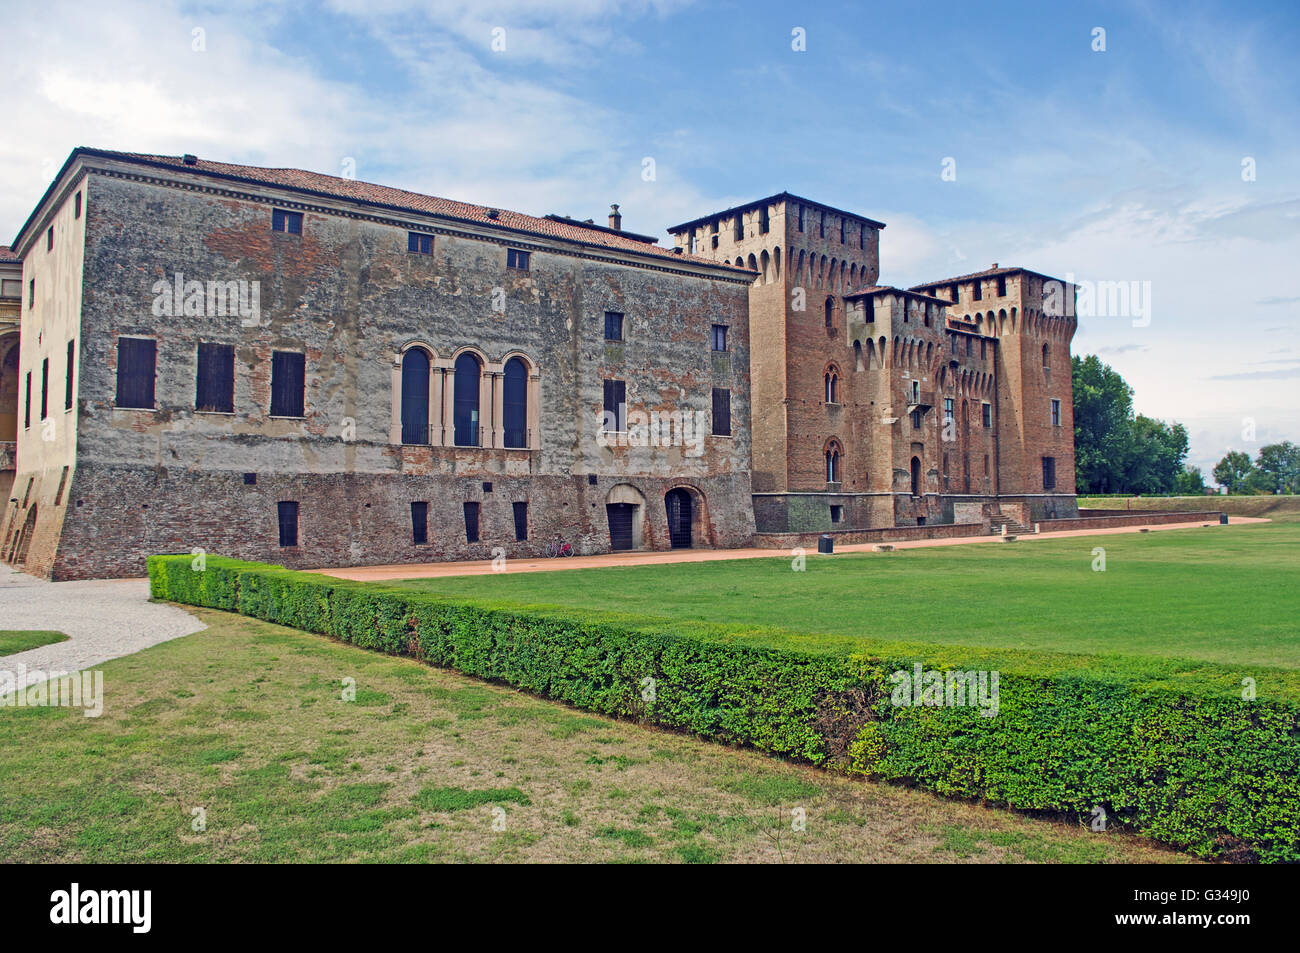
column 250, row 479
column 517, row 259
column 285, row 221
column 613, row 326
column 419, row 243
column 719, row 337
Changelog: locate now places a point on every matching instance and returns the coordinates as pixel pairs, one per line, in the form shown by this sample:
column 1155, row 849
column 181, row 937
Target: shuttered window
column 288, row 380
column 287, row 512
column 615, row 406
column 214, row 387
column 721, row 412
column 136, row 362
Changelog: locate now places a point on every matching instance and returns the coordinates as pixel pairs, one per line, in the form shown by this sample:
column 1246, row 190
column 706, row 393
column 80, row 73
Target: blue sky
column 1115, row 165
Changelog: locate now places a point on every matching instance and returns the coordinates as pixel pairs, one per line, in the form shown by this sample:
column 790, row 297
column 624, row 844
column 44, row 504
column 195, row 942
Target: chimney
column 190, row 159
column 615, row 219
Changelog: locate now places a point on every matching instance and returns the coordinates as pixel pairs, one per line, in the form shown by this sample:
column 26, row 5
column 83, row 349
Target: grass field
column 246, row 721
column 20, row 640
column 1279, row 508
column 1223, row 594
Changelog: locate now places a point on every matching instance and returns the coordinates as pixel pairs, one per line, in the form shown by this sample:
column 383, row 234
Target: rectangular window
column 31, row 293
column 214, row 386
column 287, row 513
column 947, row 408
column 986, row 414
column 821, row 228
column 969, row 348
column 721, row 412
column 801, row 218
column 764, row 222
column 1056, row 413
column 521, row 520
column 517, row 259
column 136, row 361
column 471, row 522
column 49, row 239
column 615, row 406
column 955, row 295
column 71, row 370
column 837, row 514
column 420, row 244
column 740, row 227
column 613, row 326
column 27, row 406
column 862, row 237
column 419, row 523
column 983, row 349
column 1002, row 286
column 1049, row 473
column 76, row 206
column 841, row 231
column 916, row 420
column 45, row 388
column 977, row 291
column 288, row 222
column 719, row 337
column 288, row 383
column 916, row 392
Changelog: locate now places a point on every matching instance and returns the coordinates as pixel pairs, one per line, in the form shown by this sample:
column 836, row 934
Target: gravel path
column 103, row 619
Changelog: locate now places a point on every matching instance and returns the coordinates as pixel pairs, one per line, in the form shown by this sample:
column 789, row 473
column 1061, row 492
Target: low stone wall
column 886, row 534
column 1090, row 519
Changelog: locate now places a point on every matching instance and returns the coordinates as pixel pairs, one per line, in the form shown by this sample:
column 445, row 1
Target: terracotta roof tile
column 386, row 196
column 7, row 254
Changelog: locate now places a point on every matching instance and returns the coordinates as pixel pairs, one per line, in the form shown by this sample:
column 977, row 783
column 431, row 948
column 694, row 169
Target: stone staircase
column 998, row 521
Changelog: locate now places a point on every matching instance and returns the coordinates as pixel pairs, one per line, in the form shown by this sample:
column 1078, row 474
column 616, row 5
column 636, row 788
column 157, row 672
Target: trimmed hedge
column 1168, row 749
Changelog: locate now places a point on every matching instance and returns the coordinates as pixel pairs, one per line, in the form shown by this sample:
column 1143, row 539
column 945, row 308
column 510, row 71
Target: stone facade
column 101, row 486
column 877, row 406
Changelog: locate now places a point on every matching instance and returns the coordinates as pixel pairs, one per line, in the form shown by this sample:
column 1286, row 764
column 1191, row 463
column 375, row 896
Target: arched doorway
column 916, row 476
column 679, row 506
column 625, row 508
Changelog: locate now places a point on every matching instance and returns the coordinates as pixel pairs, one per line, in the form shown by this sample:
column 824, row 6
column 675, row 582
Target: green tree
column 1231, row 472
column 1154, row 456
column 1278, row 468
column 1103, row 413
column 1190, row 482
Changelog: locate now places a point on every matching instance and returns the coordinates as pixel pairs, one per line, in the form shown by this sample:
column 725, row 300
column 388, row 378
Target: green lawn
column 246, row 722
column 1223, row 594
column 20, row 640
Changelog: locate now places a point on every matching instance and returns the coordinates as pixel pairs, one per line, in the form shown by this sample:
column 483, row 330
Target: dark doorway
column 620, row 525
column 678, row 504
column 916, row 476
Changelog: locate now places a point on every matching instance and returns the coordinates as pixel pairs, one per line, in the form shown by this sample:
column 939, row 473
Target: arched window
column 465, row 409
column 833, row 462
column 515, row 403
column 916, row 476
column 832, row 386
column 415, row 396
column 1045, row 364
column 830, row 312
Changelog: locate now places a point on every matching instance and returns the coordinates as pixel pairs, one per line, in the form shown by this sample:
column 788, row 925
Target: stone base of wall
column 795, row 513
column 119, row 515
column 1090, row 519
column 888, row 534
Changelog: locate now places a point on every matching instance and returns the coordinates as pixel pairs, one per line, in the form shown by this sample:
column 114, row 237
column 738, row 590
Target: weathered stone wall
column 348, row 294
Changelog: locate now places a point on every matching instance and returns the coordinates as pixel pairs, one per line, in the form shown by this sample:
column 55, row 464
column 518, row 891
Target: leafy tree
column 1190, row 482
column 1115, row 451
column 1103, row 411
column 1233, row 470
column 1278, row 468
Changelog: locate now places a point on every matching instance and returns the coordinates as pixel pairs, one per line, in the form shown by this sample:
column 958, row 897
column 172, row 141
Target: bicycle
column 558, row 547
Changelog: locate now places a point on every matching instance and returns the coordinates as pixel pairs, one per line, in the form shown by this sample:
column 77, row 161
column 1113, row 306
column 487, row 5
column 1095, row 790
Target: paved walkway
column 103, row 619
column 604, row 560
